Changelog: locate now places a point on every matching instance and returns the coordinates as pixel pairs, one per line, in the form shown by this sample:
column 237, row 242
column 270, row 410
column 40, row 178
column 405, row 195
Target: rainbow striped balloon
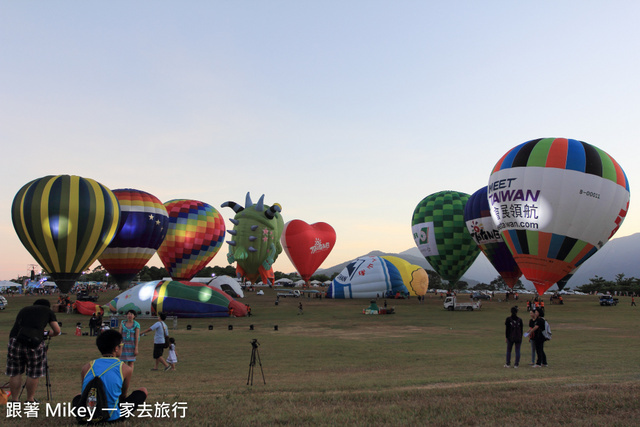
column 556, row 201
column 143, row 225
column 195, row 235
column 65, row 222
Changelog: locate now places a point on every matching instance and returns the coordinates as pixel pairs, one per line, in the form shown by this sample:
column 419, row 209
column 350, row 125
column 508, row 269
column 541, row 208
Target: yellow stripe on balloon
column 73, row 221
column 32, row 246
column 46, row 225
column 162, row 292
column 98, row 221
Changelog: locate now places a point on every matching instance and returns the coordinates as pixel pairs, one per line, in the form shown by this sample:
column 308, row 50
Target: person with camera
column 26, row 350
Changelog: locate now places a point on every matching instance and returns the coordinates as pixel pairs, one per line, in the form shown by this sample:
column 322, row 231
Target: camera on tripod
column 255, row 356
column 254, row 343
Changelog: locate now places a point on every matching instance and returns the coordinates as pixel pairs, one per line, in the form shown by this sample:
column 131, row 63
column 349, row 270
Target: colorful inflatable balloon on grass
column 556, row 201
column 372, row 277
column 181, row 299
column 65, row 222
column 441, row 234
column 195, row 235
column 255, row 243
column 307, row 246
column 477, row 216
column 143, row 225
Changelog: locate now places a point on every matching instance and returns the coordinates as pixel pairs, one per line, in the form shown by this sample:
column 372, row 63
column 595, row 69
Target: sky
column 348, row 113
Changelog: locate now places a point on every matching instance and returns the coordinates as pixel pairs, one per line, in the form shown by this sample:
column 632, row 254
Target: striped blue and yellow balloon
column 65, row 222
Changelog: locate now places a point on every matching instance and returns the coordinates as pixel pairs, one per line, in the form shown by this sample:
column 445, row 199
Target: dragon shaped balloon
column 255, row 243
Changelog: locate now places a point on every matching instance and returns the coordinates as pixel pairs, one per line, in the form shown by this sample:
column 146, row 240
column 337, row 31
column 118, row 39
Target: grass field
column 335, row 366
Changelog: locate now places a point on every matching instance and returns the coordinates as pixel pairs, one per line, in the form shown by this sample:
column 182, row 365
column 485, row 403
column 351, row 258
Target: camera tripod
column 46, row 373
column 255, row 354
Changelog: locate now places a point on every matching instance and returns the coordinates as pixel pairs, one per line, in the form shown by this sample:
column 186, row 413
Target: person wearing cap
column 513, row 336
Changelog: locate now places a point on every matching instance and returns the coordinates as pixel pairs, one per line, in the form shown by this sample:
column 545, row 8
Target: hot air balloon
column 307, row 246
column 143, row 225
column 372, row 277
column 181, row 299
column 255, row 243
column 556, row 201
column 441, row 235
column 65, row 222
column 195, row 235
column 481, row 228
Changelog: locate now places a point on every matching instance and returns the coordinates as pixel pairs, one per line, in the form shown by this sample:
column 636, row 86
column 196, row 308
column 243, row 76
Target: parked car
column 85, row 296
column 608, row 300
column 3, row 302
column 479, row 295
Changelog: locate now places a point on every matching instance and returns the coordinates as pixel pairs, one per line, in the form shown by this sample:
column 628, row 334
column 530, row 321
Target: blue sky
column 343, row 112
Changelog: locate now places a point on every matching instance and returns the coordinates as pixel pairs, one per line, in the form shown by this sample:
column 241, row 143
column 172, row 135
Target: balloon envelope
column 181, row 299
column 255, row 242
column 441, row 235
column 143, row 225
column 372, row 277
column 556, row 201
column 477, row 216
column 195, row 235
column 65, row 222
column 307, row 246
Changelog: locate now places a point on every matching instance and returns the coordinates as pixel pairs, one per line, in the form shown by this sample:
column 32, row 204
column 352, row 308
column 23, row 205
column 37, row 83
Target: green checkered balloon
column 441, row 234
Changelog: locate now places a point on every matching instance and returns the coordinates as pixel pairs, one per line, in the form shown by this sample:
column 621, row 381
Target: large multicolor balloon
column 307, row 246
column 143, row 225
column 556, row 201
column 255, row 243
column 195, row 235
column 441, row 235
column 372, row 277
column 481, row 228
column 65, row 222
column 181, row 299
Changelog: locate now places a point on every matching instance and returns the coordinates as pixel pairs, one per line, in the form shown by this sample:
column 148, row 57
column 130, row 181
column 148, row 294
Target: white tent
column 224, row 283
column 284, row 280
column 300, row 282
column 4, row 284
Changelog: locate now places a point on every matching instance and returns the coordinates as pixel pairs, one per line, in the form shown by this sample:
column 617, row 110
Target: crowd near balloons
column 548, row 205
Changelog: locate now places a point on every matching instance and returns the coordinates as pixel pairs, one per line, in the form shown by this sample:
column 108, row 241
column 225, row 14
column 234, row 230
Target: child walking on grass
column 173, row 357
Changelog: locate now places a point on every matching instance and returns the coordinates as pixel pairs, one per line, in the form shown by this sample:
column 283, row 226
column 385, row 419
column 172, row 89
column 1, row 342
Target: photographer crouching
column 26, row 349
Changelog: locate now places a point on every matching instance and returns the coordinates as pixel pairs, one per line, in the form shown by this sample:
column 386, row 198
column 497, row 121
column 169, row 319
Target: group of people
column 514, row 333
column 27, row 354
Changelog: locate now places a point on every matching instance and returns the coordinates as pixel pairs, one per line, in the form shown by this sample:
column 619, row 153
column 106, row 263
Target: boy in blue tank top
column 116, row 374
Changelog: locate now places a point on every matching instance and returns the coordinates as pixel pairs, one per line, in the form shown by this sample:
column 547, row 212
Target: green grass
column 333, row 365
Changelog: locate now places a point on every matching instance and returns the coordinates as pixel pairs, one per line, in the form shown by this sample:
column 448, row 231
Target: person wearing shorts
column 160, row 329
column 24, row 358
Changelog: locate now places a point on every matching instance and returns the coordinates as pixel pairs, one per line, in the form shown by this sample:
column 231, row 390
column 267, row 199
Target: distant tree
column 461, row 285
column 435, row 281
column 498, row 283
column 334, row 275
column 320, row 277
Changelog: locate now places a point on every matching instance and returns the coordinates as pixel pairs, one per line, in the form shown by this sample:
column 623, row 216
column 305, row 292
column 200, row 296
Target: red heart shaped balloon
column 307, row 246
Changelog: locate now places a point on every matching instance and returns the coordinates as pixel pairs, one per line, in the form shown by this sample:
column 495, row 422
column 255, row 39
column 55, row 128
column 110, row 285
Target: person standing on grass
column 300, row 309
column 513, row 334
column 26, row 350
column 160, row 329
column 130, row 330
column 633, row 301
column 539, row 338
column 530, row 335
column 172, row 359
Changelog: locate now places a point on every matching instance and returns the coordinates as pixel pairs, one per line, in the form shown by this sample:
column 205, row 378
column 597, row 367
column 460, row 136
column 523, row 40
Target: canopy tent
column 284, row 280
column 4, row 284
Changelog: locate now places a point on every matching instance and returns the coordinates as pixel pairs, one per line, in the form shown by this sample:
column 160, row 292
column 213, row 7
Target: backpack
column 94, row 396
column 515, row 328
column 546, row 333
